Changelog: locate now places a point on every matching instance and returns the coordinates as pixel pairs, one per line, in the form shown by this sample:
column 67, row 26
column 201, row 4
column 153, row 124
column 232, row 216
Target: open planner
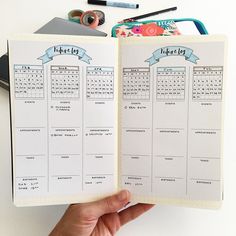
column 91, row 116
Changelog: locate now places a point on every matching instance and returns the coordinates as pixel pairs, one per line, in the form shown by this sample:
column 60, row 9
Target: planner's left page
column 63, row 95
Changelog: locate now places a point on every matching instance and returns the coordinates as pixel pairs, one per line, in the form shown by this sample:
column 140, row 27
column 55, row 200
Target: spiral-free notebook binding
column 93, row 115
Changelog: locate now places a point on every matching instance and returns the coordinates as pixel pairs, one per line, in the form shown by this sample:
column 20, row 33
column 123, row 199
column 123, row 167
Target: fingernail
column 123, row 195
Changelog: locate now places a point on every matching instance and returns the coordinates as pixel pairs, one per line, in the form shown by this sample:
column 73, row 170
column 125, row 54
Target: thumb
column 110, row 204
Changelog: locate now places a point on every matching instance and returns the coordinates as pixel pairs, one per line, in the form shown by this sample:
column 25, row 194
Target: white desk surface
column 26, row 16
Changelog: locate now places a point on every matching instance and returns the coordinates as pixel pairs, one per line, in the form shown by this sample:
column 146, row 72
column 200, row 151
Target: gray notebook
column 65, row 27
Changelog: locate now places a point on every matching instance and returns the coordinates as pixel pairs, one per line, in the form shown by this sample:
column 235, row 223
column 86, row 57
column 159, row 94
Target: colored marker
column 114, row 4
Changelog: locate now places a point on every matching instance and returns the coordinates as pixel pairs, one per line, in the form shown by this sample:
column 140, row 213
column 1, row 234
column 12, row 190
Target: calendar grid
column 170, row 83
column 29, row 82
column 100, row 83
column 65, row 82
column 136, row 83
column 207, row 83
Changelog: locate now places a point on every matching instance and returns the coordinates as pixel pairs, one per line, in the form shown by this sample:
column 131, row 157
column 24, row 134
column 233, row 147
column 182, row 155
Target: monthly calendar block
column 100, row 83
column 170, row 83
column 207, row 83
column 29, row 81
column 136, row 83
column 65, row 82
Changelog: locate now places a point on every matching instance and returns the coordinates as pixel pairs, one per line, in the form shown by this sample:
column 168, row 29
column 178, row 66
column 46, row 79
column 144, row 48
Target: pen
column 114, row 4
column 148, row 14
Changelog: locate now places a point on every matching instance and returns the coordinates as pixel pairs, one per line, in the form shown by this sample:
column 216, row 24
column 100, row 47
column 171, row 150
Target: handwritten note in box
column 99, row 140
column 141, row 110
column 136, row 184
column 70, row 136
column 35, row 185
column 102, row 182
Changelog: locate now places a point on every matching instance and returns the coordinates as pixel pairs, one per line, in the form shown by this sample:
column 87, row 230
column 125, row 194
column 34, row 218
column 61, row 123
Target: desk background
column 26, row 16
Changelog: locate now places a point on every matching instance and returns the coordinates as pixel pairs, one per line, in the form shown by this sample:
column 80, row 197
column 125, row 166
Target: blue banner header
column 172, row 51
column 65, row 50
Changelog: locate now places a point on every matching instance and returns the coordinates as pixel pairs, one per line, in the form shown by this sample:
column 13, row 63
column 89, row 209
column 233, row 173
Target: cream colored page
column 63, row 96
column 171, row 117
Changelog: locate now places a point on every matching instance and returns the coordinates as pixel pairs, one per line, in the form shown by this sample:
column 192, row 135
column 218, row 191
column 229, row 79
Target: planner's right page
column 171, row 119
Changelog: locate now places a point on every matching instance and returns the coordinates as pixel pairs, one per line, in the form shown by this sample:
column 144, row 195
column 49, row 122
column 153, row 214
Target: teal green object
column 200, row 26
column 74, row 15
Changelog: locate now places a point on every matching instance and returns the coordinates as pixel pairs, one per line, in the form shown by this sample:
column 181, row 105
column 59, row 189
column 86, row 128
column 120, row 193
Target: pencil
column 148, row 14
